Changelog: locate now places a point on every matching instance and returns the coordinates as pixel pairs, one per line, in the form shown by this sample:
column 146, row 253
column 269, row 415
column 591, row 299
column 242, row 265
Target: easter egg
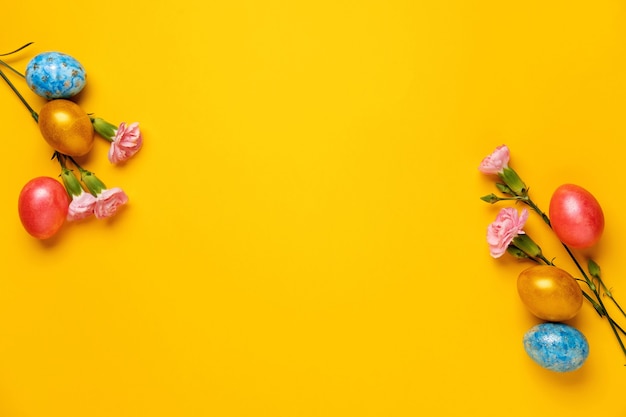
column 576, row 216
column 55, row 75
column 557, row 347
column 66, row 127
column 550, row 293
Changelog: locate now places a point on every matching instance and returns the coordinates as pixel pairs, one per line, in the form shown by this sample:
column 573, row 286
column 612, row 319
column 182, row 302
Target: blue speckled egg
column 55, row 75
column 556, row 346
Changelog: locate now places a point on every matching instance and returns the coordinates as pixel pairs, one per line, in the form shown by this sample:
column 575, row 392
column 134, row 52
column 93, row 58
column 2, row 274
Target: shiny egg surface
column 556, row 346
column 55, row 75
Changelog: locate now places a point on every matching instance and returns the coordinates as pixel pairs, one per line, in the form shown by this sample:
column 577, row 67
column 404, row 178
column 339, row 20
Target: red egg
column 42, row 207
column 576, row 216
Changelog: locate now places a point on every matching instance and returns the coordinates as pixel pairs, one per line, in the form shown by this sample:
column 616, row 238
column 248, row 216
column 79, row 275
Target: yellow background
column 304, row 235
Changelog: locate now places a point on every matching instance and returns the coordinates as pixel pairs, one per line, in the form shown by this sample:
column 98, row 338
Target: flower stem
column 526, row 199
column 617, row 336
column 12, row 69
column 608, row 293
column 18, row 49
column 33, row 113
column 73, row 161
column 544, row 259
column 618, row 327
column 593, row 302
column 61, row 158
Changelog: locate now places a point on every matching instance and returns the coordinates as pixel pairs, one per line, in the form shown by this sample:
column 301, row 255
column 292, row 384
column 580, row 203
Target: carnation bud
column 71, row 182
column 513, row 181
column 94, row 185
column 527, row 245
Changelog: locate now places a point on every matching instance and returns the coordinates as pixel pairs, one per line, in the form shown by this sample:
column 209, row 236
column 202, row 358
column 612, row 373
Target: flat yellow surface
column 304, row 235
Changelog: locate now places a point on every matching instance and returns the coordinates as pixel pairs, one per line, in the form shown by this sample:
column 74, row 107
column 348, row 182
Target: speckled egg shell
column 55, row 75
column 556, row 346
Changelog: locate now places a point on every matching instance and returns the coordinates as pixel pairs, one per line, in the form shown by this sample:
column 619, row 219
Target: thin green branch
column 12, row 69
column 33, row 113
column 18, row 49
column 608, row 293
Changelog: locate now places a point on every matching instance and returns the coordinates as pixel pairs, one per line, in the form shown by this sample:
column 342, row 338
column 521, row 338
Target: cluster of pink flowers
column 103, row 205
column 99, row 201
column 509, row 223
column 506, row 232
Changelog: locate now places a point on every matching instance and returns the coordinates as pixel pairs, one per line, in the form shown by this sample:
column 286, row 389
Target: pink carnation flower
column 496, row 162
column 81, row 207
column 126, row 143
column 109, row 201
column 504, row 229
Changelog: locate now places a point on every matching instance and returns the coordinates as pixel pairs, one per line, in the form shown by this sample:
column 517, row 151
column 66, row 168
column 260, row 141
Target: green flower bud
column 491, row 198
column 94, row 185
column 513, row 181
column 594, row 269
column 104, row 128
column 527, row 245
column 516, row 252
column 504, row 189
column 71, row 183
